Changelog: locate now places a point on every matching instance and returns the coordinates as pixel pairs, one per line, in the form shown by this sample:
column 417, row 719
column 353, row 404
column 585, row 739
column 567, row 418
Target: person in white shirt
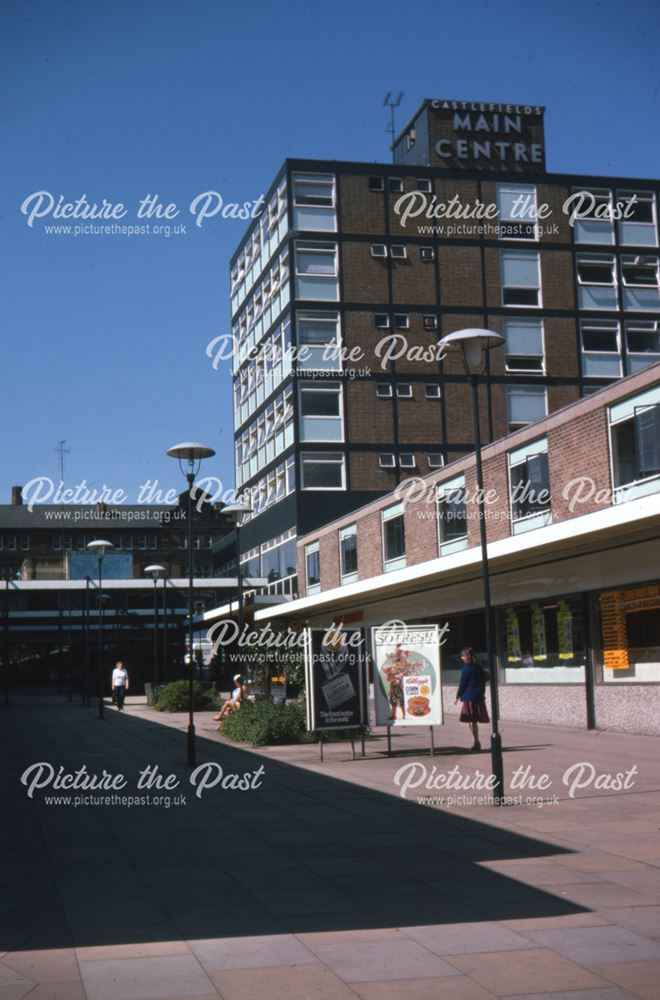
column 120, row 684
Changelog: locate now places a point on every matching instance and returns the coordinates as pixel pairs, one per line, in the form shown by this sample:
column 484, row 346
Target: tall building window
column 317, row 274
column 452, row 519
column 642, row 343
column 520, row 277
column 601, row 349
column 348, row 555
column 594, row 214
column 275, row 559
column 517, row 209
column 321, row 412
column 635, row 444
column 314, row 202
column 394, row 539
column 322, row 470
column 641, row 283
column 529, row 485
column 524, row 345
column 319, row 341
column 525, row 405
column 313, row 568
column 640, row 226
column 596, row 276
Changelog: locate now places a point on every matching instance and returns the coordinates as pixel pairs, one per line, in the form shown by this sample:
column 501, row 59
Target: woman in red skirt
column 472, row 693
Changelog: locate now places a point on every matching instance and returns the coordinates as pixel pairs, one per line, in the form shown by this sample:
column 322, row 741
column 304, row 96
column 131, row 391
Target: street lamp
column 473, row 346
column 189, row 456
column 100, row 546
column 7, row 575
column 155, row 572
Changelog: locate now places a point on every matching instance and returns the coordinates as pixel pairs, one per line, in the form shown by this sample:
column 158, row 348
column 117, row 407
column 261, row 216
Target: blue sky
column 103, row 337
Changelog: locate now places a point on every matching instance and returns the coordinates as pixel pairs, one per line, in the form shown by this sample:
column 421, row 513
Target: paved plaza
column 320, row 881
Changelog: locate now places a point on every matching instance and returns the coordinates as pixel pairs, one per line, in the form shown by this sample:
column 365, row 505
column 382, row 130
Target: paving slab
column 325, row 883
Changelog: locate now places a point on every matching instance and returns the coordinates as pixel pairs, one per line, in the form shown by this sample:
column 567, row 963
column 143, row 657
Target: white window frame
column 651, row 356
column 605, row 325
column 334, row 458
column 404, row 390
column 384, row 390
column 532, row 234
column 379, row 250
column 650, row 227
column 329, row 316
column 398, row 251
column 299, row 177
column 539, row 287
column 390, row 514
column 520, row 320
column 537, row 392
column 310, row 550
column 618, row 414
column 407, row 460
column 606, row 225
column 323, row 249
column 350, row 531
column 387, row 460
column 538, row 519
column 460, row 542
column 432, row 390
column 334, row 388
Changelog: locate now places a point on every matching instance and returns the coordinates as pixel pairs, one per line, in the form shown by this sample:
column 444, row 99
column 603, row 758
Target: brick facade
column 578, row 446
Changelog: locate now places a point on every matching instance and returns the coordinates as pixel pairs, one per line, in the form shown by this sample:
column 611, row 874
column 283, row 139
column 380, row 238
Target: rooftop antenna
column 62, row 451
column 391, row 102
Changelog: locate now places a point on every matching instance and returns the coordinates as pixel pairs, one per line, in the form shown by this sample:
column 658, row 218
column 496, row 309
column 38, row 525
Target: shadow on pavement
column 303, row 852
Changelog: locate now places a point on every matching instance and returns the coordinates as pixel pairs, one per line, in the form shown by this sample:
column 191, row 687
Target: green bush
column 174, row 697
column 262, row 723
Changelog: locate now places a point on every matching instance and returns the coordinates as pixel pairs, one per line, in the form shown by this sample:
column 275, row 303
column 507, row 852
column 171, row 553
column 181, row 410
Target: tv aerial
column 392, row 102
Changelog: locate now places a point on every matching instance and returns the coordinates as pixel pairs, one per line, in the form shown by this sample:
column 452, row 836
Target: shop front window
column 630, row 634
column 542, row 642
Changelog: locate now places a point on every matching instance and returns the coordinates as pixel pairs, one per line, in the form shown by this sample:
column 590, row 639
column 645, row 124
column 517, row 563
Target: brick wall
column 578, row 445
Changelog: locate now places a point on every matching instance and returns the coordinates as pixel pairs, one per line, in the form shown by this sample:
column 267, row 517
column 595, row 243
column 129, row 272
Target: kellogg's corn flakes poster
column 407, row 675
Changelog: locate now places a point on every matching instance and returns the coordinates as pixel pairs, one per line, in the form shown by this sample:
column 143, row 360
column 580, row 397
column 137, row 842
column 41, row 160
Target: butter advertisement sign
column 334, row 665
column 407, row 676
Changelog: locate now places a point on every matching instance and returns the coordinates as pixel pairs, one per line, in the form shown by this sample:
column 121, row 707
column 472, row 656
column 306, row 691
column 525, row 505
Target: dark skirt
column 474, row 711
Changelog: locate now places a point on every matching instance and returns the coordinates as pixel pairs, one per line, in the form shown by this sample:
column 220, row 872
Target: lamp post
column 473, row 346
column 189, row 456
column 236, row 510
column 5, row 639
column 155, row 572
column 86, row 631
column 100, row 546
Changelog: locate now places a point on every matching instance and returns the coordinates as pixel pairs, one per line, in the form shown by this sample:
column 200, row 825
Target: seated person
column 234, row 702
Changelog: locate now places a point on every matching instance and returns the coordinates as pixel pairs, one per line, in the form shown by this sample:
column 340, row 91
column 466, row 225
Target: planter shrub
column 263, row 723
column 174, row 697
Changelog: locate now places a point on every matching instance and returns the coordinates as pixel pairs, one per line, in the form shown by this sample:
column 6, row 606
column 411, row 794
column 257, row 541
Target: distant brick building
column 49, row 541
column 378, row 261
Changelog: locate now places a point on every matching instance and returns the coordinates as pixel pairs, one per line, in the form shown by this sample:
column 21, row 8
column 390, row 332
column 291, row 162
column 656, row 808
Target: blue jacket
column 472, row 684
